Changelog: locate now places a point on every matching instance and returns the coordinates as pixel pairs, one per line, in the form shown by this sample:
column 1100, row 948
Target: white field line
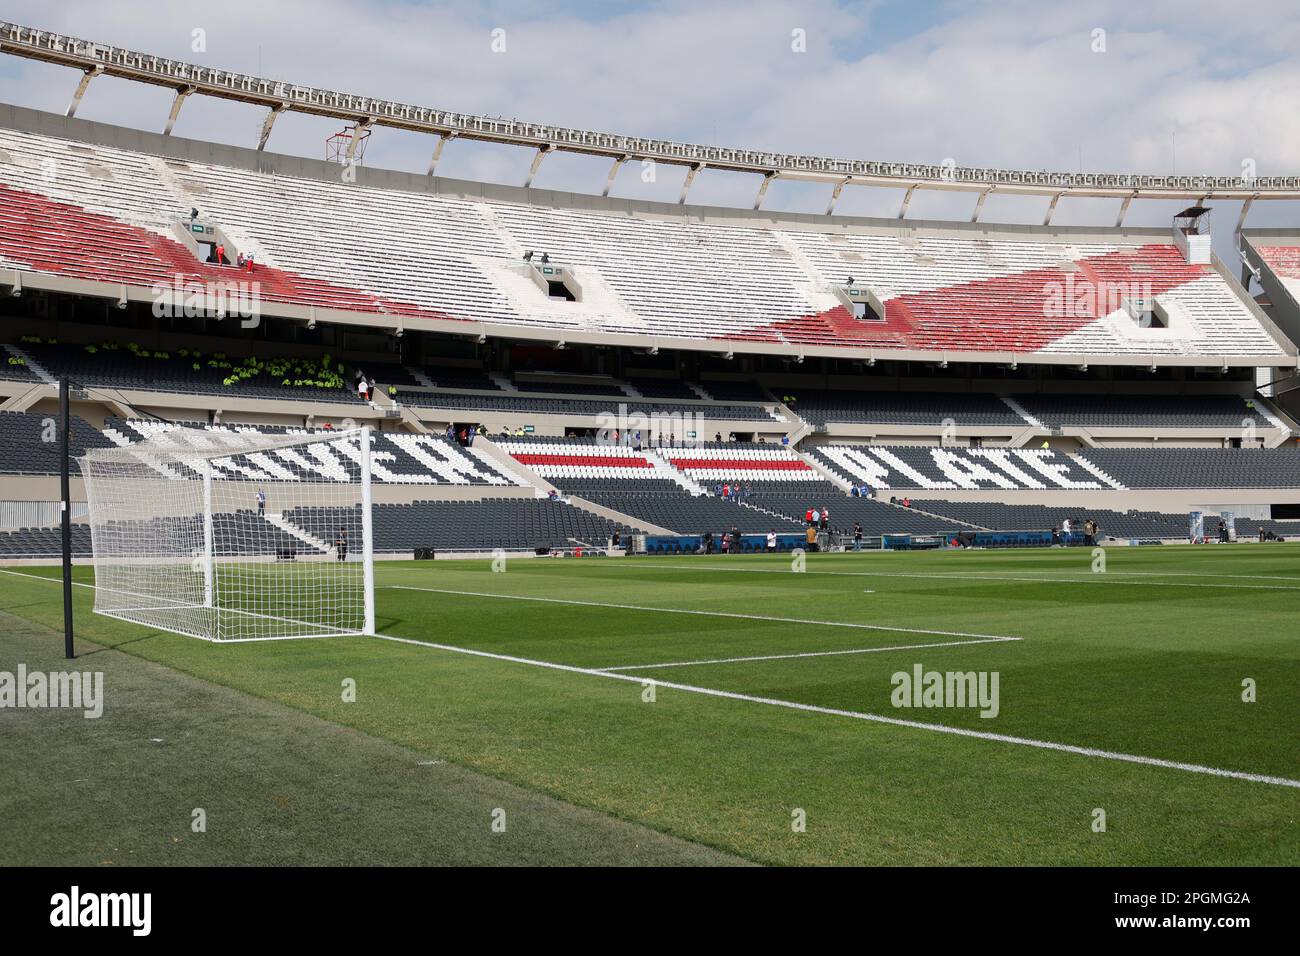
column 1089, row 578
column 834, row 712
column 787, row 657
column 873, row 718
column 678, row 610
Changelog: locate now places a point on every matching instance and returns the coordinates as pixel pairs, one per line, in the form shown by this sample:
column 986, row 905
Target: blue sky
column 1195, row 86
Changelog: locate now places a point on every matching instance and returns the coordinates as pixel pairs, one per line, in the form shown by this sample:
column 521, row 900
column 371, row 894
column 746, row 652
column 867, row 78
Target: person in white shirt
column 816, row 517
column 771, row 540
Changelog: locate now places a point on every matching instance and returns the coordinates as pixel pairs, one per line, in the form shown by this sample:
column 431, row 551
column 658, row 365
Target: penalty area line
column 788, row 657
column 692, row 611
column 869, row 717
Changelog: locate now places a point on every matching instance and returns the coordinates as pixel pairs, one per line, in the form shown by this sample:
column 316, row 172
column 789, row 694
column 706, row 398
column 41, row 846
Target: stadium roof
column 278, row 96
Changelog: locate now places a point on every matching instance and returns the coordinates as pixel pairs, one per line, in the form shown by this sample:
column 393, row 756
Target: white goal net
column 233, row 536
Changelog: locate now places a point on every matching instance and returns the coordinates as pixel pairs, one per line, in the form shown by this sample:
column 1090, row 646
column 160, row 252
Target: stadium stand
column 995, row 516
column 44, row 542
column 698, row 514
column 929, row 467
column 578, row 464
column 1145, row 411
column 670, row 388
column 510, row 524
column 28, row 445
column 396, row 457
column 515, row 403
column 1198, row 467
column 904, row 408
column 191, row 372
column 647, row 275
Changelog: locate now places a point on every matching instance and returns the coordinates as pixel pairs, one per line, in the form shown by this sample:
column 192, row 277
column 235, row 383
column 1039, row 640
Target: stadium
column 626, row 530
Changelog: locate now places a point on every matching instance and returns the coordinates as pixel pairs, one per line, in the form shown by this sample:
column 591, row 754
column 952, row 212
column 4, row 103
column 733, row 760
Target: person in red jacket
column 221, row 253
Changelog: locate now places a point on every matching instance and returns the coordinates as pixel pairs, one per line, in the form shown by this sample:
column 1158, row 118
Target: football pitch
column 1008, row 707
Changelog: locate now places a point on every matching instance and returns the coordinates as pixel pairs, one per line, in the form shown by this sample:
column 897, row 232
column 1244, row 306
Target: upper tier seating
column 570, row 388
column 1142, row 411
column 735, row 391
column 667, row 388
column 903, row 408
column 1199, row 467
column 191, row 372
column 522, row 404
column 106, row 214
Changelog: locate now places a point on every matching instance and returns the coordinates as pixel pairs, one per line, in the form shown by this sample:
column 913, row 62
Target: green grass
column 1147, row 659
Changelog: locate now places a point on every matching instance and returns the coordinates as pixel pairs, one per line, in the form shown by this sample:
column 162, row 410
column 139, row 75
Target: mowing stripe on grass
column 787, row 657
column 1099, row 578
column 679, row 610
column 862, row 715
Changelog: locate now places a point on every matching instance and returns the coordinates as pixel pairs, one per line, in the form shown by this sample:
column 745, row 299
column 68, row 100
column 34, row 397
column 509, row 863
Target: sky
column 1194, row 86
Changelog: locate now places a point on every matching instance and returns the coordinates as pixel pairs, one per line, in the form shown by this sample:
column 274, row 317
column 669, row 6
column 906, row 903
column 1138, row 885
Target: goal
column 234, row 535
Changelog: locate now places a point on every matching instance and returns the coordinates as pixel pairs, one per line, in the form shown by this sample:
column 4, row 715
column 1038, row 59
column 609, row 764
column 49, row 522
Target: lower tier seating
column 999, row 517
column 510, row 523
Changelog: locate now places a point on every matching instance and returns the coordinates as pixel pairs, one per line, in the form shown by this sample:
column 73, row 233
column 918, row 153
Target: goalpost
column 231, row 536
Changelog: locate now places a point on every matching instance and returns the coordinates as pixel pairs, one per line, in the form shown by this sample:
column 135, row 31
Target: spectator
column 341, row 545
column 857, row 536
column 826, row 519
column 363, row 389
column 771, row 541
column 248, row 261
column 726, row 541
column 240, row 260
column 807, row 517
column 221, row 254
column 717, row 437
column 261, row 503
column 816, row 518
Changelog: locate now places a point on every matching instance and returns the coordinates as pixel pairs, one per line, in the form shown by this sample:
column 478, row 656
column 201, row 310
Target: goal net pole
column 206, row 469
column 367, row 537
